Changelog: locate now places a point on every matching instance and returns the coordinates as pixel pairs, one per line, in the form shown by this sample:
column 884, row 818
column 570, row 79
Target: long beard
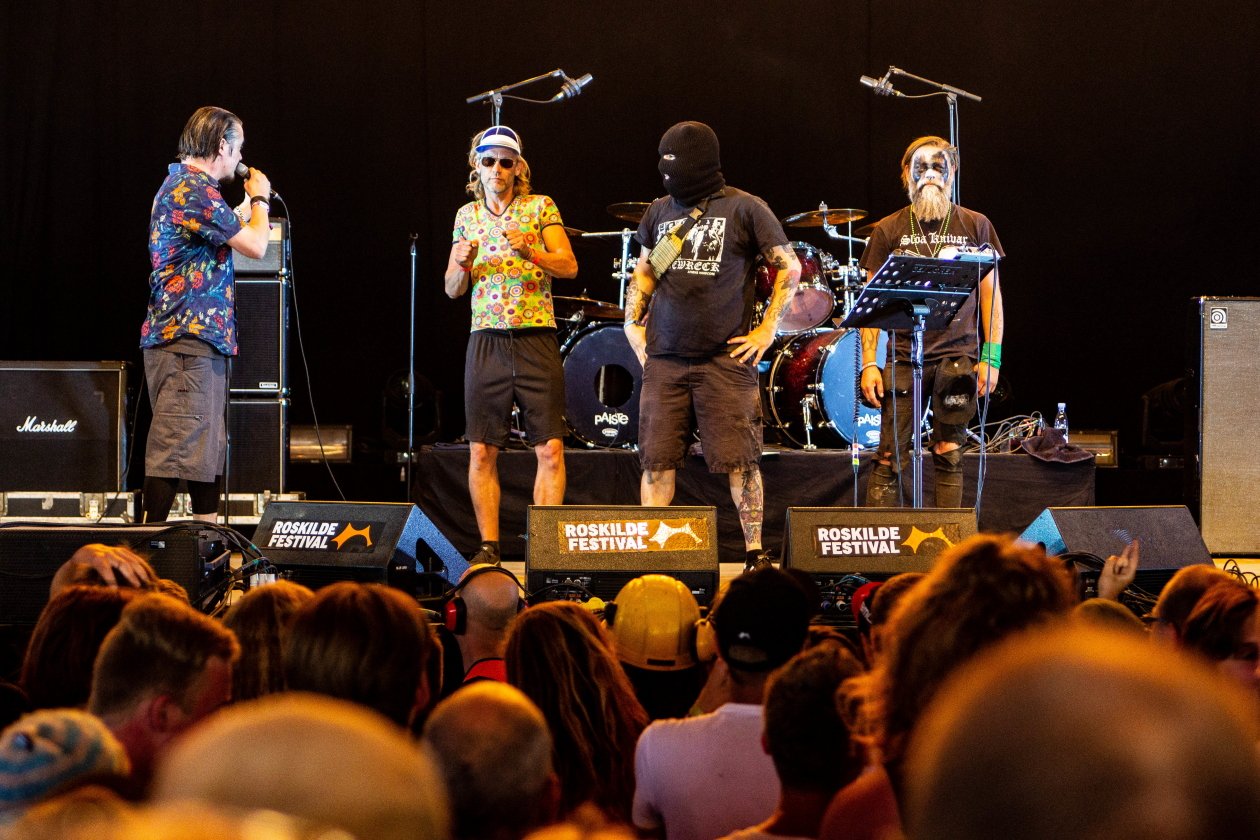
column 930, row 205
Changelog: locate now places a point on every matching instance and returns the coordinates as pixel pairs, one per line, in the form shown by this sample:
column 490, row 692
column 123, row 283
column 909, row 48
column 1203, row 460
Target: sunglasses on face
column 489, row 162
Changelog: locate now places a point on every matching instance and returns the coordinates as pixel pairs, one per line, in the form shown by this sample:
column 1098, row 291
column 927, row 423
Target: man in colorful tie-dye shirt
column 190, row 328
column 508, row 245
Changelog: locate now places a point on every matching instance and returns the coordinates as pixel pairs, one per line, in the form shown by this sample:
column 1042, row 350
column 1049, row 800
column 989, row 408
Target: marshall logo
column 34, row 424
column 875, row 540
column 634, row 535
column 321, row 535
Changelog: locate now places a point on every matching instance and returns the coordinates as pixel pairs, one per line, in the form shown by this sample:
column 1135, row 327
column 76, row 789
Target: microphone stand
column 951, row 96
column 495, row 96
column 411, row 377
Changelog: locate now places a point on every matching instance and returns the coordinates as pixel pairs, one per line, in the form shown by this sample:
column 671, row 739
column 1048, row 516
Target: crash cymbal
column 865, row 231
column 628, row 211
column 574, row 233
column 814, row 218
column 580, row 307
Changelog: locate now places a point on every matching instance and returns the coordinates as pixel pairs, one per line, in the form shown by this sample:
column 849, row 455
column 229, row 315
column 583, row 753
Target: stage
column 1017, row 488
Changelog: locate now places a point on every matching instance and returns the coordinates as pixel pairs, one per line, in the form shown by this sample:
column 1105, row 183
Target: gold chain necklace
column 949, row 214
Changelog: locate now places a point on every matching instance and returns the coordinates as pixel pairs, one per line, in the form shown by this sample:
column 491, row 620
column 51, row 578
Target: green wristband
column 991, row 354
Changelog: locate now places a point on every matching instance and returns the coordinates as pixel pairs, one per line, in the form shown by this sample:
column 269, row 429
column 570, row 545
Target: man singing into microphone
column 189, row 333
column 507, row 246
column 956, row 366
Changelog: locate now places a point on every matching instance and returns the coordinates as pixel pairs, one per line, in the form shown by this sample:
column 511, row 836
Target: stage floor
column 1016, row 489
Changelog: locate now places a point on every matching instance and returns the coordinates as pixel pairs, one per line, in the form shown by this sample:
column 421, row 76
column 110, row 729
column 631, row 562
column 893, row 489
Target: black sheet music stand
column 918, row 293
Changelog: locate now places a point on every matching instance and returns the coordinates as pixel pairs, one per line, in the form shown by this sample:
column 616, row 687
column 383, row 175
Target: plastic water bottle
column 1061, row 421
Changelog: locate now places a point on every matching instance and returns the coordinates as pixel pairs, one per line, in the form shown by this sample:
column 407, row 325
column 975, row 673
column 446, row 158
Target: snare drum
column 814, row 300
column 602, row 381
column 815, row 376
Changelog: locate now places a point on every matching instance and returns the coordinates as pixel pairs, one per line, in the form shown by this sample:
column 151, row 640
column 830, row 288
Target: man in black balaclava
column 699, row 348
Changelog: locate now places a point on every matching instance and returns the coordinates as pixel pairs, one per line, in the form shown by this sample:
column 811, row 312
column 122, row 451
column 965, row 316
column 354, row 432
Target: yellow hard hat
column 654, row 621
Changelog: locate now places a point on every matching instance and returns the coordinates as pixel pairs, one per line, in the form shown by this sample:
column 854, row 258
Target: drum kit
column 809, row 376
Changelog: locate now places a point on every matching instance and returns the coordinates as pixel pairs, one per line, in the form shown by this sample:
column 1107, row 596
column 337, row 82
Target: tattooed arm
column 787, row 274
column 872, row 378
column 638, row 296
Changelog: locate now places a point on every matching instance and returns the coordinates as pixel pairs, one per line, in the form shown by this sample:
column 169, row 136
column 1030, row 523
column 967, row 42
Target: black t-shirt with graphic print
column 707, row 295
column 892, row 236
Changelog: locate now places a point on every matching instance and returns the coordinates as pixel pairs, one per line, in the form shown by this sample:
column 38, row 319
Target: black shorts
column 513, row 366
column 722, row 396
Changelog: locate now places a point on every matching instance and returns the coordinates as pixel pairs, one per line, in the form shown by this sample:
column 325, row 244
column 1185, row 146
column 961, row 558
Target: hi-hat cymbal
column 814, row 218
column 629, row 211
column 585, row 308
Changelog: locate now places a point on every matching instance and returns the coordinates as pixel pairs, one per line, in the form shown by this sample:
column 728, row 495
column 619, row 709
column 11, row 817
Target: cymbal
column 628, row 211
column 865, row 231
column 814, row 218
column 574, row 232
column 580, row 307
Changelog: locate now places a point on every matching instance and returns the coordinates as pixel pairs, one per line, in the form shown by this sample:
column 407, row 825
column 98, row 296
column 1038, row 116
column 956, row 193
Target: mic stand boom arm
column 496, row 95
column 951, row 95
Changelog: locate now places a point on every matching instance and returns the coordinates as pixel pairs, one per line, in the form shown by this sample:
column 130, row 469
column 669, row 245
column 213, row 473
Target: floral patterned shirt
column 508, row 292
column 191, row 288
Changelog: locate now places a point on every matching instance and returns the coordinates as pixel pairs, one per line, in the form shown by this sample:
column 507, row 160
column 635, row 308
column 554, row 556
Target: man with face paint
column 189, row 331
column 960, row 362
column 692, row 326
column 508, row 244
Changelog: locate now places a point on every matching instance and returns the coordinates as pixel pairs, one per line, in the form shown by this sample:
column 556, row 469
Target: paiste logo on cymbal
column 633, row 535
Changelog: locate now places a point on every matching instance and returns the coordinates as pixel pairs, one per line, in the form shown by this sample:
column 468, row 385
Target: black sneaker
column 488, row 554
column 758, row 560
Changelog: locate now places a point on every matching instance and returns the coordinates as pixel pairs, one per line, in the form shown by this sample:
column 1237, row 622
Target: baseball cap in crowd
column 762, row 620
column 49, row 751
column 499, row 137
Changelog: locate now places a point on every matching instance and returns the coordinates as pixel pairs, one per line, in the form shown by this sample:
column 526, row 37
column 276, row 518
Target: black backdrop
column 1114, row 151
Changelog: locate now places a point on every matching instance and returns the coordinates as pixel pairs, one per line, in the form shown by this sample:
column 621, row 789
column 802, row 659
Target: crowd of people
column 980, row 699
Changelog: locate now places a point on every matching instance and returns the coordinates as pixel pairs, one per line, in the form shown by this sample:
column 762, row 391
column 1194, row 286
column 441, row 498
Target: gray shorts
column 188, row 393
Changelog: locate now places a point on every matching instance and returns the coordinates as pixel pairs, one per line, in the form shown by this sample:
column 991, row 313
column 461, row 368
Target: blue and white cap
column 499, row 137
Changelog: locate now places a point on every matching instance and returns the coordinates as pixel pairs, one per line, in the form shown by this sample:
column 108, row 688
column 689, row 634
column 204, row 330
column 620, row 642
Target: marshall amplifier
column 273, row 261
column 62, row 426
column 262, row 325
column 575, row 549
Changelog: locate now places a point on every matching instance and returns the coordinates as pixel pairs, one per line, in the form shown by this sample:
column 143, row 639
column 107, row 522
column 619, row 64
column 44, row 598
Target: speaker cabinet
column 319, row 543
column 31, row 554
column 63, row 426
column 259, row 457
column 262, row 324
column 1226, row 423
column 1168, row 536
column 830, row 541
column 271, row 262
column 575, row 549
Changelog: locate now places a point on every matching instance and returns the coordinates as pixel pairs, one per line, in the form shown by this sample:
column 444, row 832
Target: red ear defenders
column 455, row 611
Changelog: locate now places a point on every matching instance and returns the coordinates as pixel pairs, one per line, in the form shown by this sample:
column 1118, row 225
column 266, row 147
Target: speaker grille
column 1228, row 398
column 260, row 443
column 262, row 318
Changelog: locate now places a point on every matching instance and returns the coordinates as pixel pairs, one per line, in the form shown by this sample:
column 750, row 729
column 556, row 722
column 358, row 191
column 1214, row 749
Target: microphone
column 882, row 86
column 242, row 172
column 572, row 87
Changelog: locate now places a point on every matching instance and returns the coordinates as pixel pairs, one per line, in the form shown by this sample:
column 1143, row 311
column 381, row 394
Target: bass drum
column 823, row 365
column 602, row 381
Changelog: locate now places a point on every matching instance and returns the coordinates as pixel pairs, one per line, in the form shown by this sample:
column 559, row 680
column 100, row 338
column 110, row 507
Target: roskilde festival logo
column 876, row 540
column 322, row 535
column 633, row 535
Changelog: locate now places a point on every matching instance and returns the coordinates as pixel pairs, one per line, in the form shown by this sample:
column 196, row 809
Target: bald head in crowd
column 493, row 748
column 1085, row 733
column 329, row 761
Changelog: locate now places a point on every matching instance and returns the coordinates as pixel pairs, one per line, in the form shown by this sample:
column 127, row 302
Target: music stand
column 917, row 293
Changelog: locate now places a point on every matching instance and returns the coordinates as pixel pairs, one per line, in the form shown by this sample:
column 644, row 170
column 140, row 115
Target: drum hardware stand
column 851, row 268
column 808, row 403
column 626, row 268
column 917, row 292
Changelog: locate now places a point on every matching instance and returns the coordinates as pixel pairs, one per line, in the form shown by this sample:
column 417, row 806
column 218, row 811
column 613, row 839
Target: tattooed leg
column 749, row 502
